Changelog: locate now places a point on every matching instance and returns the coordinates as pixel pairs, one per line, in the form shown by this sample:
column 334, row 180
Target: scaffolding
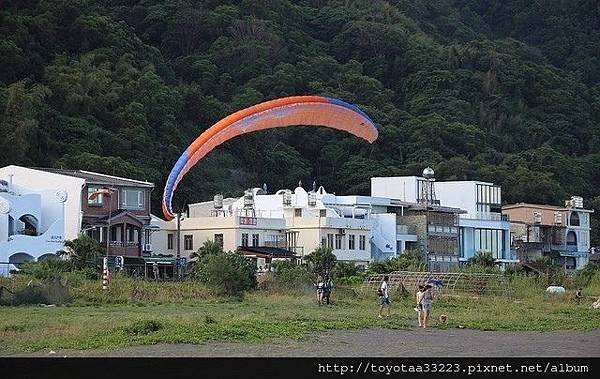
column 454, row 283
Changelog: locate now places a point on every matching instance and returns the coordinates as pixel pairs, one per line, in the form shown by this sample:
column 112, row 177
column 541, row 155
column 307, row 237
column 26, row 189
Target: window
column 98, row 200
column 330, row 241
column 338, row 241
column 352, row 242
column 323, row 213
column 132, row 199
column 361, row 242
column 244, row 239
column 188, row 242
column 219, row 239
column 255, row 240
column 169, row 241
column 574, row 219
column 298, row 212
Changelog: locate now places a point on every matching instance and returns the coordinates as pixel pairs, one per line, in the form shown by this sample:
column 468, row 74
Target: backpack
column 379, row 292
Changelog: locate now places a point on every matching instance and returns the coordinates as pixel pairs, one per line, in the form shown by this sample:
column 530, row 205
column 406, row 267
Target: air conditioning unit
column 148, row 247
column 342, row 231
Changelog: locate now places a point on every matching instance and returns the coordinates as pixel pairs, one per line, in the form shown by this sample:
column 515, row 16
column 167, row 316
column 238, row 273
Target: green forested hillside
column 499, row 90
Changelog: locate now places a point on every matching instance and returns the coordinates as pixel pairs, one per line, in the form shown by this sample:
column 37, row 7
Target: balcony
column 489, row 216
column 405, row 229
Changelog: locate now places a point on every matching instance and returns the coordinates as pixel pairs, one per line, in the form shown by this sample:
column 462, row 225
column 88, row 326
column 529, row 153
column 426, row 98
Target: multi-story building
column 358, row 229
column 481, row 225
column 119, row 204
column 562, row 232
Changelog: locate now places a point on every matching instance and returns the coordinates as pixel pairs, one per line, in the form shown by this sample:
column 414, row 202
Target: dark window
column 351, row 242
column 571, row 238
column 169, row 241
column 188, row 242
column 219, row 239
column 330, row 241
column 338, row 241
column 298, row 212
column 361, row 242
column 255, row 240
column 244, row 239
column 574, row 220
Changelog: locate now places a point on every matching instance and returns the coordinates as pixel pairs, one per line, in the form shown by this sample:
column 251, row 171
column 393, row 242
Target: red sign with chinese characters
column 247, row 220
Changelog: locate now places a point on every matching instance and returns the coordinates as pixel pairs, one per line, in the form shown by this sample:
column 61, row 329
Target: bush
column 143, row 327
column 483, row 259
column 82, row 252
column 409, row 260
column 51, row 268
column 287, row 276
column 589, row 272
column 226, row 273
column 48, row 292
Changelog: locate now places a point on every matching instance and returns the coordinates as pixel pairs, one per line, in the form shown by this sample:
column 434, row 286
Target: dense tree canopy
column 504, row 90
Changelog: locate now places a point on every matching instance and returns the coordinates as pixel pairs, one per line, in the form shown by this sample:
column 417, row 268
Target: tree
column 321, row 261
column 229, row 274
column 209, row 247
column 82, row 252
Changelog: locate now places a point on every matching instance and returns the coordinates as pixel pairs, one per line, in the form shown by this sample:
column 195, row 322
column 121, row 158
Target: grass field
column 138, row 313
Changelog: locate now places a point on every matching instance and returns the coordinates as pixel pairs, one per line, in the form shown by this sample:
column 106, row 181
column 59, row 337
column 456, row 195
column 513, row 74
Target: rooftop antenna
column 265, row 187
column 299, row 183
column 314, row 186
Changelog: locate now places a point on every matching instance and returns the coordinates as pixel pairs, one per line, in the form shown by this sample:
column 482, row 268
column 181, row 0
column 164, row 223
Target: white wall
column 459, row 194
column 397, row 187
column 37, row 180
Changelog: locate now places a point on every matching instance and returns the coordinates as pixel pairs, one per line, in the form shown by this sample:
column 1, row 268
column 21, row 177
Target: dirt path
column 383, row 343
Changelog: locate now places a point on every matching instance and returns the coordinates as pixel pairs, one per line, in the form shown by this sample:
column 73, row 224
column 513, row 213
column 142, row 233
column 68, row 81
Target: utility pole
column 178, row 235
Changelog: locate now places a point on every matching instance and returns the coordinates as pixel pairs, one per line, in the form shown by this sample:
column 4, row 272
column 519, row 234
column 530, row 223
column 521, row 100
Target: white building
column 31, row 224
column 482, row 227
column 39, row 181
column 358, row 229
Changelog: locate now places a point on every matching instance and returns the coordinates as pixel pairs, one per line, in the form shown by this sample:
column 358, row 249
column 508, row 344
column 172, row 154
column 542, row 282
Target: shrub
column 482, row 259
column 287, row 276
column 143, row 327
column 409, row 260
column 51, row 268
column 226, row 273
column 48, row 292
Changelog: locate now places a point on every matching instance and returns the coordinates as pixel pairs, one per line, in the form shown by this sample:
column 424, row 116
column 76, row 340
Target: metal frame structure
column 455, row 282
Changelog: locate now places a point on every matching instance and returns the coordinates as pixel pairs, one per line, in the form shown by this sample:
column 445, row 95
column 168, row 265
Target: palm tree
column 207, row 248
column 81, row 252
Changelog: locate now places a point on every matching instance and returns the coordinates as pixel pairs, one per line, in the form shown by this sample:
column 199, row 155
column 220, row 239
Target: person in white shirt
column 384, row 297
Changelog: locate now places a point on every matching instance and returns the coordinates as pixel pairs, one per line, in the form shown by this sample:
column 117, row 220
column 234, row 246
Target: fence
column 478, row 284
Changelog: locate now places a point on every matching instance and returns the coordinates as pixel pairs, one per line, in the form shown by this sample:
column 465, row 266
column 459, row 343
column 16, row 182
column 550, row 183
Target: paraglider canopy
column 287, row 111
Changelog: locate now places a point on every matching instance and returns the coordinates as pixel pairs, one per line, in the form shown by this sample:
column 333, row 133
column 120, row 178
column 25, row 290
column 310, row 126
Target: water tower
column 427, row 193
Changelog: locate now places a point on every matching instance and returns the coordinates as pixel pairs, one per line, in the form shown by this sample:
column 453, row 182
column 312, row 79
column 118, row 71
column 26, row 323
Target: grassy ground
column 137, row 313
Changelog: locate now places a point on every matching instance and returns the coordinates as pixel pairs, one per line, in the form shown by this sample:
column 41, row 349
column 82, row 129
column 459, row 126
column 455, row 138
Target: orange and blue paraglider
column 287, row 111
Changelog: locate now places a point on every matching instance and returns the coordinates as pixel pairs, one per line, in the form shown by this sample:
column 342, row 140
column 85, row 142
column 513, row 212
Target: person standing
column 320, row 285
column 384, row 297
column 427, row 305
column 419, row 306
column 327, row 288
column 578, row 296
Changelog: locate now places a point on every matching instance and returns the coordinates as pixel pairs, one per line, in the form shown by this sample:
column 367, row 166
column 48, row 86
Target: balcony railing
column 405, row 229
column 490, row 216
column 123, row 244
